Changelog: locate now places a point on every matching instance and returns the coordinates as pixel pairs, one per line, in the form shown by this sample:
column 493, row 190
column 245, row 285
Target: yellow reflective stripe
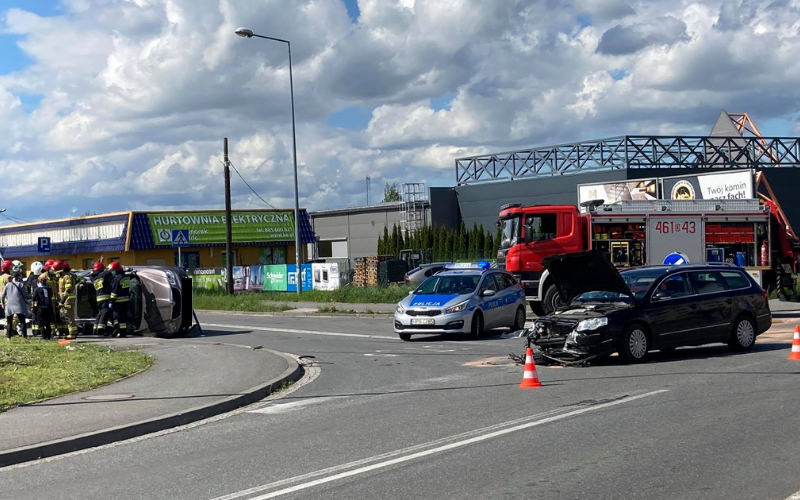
column 121, row 299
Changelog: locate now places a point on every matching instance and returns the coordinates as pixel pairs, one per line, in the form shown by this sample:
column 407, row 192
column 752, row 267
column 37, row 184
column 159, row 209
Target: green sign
column 208, row 279
column 276, row 278
column 209, row 227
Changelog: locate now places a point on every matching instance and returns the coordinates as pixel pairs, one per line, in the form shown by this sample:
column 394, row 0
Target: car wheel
column 477, row 325
column 634, row 344
column 743, row 336
column 552, row 300
column 536, row 308
column 405, row 337
column 519, row 319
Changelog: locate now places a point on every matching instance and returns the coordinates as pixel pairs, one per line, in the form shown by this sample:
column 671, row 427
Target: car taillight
column 408, row 280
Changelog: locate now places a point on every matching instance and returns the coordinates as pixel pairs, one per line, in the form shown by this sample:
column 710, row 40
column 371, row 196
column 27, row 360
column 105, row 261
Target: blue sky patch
column 443, row 102
column 352, row 117
column 352, row 9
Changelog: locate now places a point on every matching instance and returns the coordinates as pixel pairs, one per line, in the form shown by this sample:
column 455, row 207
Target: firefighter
column 120, row 296
column 52, row 282
column 5, row 270
column 67, row 283
column 42, row 306
column 31, row 285
column 101, row 280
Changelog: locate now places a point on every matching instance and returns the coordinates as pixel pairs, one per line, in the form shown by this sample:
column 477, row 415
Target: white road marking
column 796, row 496
column 381, row 355
column 294, row 405
column 292, row 330
column 422, row 450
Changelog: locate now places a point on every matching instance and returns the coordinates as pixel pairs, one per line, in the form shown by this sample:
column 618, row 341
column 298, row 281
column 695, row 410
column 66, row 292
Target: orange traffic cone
column 64, row 342
column 530, row 379
column 795, row 355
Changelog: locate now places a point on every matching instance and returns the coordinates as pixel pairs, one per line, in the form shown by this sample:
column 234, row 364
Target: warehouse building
column 260, row 237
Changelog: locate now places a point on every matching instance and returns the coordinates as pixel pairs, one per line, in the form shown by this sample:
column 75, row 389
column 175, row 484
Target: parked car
column 639, row 310
column 462, row 300
column 423, row 272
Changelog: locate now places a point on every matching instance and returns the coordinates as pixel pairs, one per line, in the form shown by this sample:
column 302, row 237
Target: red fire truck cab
column 636, row 233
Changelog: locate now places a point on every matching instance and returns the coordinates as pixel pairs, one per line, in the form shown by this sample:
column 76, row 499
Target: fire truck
column 636, row 233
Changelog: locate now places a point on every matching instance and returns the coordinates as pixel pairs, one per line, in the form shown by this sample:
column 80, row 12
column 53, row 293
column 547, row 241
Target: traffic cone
column 795, row 355
column 530, row 379
column 64, row 342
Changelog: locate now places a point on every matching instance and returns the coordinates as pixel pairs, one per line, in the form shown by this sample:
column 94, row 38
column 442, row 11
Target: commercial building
column 260, row 237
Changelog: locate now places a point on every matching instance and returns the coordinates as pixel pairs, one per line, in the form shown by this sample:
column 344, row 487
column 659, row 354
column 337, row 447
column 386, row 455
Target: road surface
column 443, row 418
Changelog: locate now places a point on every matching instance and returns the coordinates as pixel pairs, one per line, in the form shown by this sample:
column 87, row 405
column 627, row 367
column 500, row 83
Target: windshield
column 639, row 281
column 510, row 232
column 448, row 285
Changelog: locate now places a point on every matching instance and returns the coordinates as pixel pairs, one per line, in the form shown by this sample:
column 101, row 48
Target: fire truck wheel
column 537, row 308
column 552, row 300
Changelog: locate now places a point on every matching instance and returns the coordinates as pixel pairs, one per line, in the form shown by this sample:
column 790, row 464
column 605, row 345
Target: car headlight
column 591, row 324
column 457, row 308
column 400, row 309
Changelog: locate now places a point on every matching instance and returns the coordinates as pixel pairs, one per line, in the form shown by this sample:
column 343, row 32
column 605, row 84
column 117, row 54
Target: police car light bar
column 468, row 265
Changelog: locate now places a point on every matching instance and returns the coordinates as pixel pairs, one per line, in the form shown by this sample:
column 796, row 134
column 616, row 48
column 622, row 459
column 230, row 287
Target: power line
column 14, row 219
column 248, row 185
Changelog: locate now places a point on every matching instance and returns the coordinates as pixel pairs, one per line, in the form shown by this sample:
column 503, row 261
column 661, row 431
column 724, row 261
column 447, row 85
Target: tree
column 385, row 249
column 474, row 239
column 400, row 243
column 449, row 244
column 380, row 245
column 394, row 242
column 442, row 248
column 488, row 246
column 461, row 243
column 481, row 245
column 391, row 192
column 497, row 239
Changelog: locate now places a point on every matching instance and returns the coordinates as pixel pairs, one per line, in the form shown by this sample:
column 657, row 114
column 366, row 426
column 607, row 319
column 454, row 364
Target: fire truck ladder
column 685, row 206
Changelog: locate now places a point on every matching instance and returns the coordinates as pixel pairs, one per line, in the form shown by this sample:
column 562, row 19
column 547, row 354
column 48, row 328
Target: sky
column 109, row 105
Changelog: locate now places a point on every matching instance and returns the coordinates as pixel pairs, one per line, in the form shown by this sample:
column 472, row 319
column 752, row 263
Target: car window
column 707, row 282
column 735, row 279
column 675, row 286
column 488, row 283
column 510, row 281
column 543, row 227
column 500, row 282
column 448, row 285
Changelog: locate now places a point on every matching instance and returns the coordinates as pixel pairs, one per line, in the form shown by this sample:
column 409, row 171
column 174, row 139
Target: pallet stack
column 360, row 272
column 372, row 271
column 366, row 271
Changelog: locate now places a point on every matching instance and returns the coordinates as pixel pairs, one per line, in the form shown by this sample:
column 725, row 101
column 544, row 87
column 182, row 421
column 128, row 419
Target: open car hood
column 577, row 273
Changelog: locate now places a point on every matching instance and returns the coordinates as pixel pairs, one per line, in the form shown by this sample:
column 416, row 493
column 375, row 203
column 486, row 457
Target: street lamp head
column 244, row 32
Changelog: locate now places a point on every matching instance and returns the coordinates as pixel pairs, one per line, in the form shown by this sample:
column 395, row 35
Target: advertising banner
column 612, row 192
column 727, row 186
column 239, row 279
column 307, row 278
column 207, row 279
column 275, row 278
column 209, row 227
column 254, row 278
column 326, row 276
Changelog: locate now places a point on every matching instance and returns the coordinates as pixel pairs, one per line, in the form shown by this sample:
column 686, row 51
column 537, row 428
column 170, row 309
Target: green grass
column 244, row 301
column 32, row 370
column 348, row 294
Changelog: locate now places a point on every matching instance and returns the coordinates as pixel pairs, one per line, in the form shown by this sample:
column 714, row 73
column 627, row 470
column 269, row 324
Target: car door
column 489, row 304
column 672, row 312
column 511, row 297
column 713, row 307
column 504, row 292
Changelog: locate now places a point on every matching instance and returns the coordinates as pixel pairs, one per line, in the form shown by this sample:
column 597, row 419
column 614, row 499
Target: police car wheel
column 477, row 325
column 519, row 319
column 405, row 337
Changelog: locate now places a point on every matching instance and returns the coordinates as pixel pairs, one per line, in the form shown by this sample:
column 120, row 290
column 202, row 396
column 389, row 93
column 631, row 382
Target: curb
column 293, row 373
column 290, row 314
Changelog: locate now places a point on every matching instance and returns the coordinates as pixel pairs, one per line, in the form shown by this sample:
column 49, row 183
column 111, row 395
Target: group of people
column 48, row 296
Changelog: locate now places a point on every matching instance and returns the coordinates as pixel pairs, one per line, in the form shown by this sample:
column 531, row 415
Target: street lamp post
column 248, row 33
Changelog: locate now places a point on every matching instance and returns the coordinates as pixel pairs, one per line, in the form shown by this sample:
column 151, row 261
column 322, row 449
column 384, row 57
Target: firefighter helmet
column 36, row 268
column 17, row 267
column 97, row 266
column 57, row 266
column 49, row 263
column 115, row 266
column 6, row 266
column 65, row 266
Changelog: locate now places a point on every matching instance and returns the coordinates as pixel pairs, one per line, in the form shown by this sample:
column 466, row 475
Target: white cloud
column 136, row 95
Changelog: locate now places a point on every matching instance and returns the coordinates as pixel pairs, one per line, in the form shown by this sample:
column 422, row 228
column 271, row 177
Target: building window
column 268, row 256
column 332, row 249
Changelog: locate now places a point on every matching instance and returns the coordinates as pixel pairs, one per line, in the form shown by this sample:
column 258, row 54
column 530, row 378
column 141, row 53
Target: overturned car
column 160, row 302
column 638, row 310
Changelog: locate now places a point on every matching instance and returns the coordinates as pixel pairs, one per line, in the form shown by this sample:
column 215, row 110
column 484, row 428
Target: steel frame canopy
column 629, row 152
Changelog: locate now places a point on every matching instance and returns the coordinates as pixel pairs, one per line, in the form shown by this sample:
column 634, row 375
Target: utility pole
column 228, row 229
column 369, row 188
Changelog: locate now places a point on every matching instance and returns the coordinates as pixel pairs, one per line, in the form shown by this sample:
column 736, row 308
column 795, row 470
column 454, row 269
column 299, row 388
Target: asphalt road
column 443, row 418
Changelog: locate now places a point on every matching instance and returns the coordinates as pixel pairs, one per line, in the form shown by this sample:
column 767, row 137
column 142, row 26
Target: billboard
column 307, row 278
column 724, row 186
column 612, row 192
column 326, row 276
column 209, row 227
column 276, row 278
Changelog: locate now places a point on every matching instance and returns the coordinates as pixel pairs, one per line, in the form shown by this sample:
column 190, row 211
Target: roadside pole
column 228, row 231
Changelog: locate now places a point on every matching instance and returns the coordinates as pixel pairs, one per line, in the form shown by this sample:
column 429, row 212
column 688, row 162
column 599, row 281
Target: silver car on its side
column 464, row 300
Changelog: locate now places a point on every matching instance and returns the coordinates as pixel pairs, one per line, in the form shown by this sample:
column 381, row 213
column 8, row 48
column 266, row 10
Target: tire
column 405, row 337
column 743, row 335
column 552, row 300
column 519, row 319
column 476, row 331
column 536, row 308
column 634, row 344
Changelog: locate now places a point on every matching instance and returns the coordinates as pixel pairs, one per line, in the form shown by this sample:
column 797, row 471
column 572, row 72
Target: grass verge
column 31, row 370
column 333, row 309
column 347, row 294
column 244, row 301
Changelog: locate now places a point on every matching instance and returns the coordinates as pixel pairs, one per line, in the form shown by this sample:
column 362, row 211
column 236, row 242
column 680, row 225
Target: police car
column 462, row 298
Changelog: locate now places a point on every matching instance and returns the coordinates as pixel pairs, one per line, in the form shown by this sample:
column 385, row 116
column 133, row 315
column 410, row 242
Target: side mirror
column 487, row 293
column 660, row 296
column 527, row 231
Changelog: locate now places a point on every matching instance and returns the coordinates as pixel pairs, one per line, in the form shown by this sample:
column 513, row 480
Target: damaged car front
column 600, row 304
